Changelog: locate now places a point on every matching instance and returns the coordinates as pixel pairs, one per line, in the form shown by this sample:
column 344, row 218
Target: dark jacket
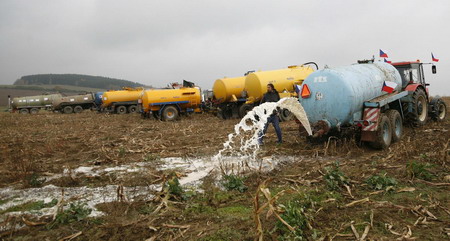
column 270, row 97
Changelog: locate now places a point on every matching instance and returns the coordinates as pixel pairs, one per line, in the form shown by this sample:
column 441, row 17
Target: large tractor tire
column 419, row 114
column 34, row 111
column 396, row 123
column 286, row 115
column 78, row 109
column 170, row 113
column 244, row 109
column 438, row 111
column 67, row 109
column 121, row 110
column 24, row 111
column 132, row 109
column 383, row 134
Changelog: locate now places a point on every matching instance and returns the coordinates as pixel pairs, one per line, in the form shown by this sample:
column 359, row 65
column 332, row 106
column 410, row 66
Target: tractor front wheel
column 438, row 109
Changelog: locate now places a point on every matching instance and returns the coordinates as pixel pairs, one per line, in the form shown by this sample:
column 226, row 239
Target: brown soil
column 49, row 143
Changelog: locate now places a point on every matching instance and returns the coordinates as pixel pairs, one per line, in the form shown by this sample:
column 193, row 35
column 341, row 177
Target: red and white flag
column 389, row 86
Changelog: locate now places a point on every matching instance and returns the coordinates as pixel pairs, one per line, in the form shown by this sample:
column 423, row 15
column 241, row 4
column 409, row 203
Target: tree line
column 76, row 80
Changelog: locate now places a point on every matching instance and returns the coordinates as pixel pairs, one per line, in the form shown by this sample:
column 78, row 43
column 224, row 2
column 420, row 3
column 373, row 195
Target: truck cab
column 411, row 73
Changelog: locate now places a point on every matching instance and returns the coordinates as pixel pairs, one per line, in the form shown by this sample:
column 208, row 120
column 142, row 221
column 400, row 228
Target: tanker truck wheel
column 285, row 115
column 24, row 111
column 121, row 109
column 439, row 109
column 396, row 123
column 244, row 109
column 170, row 113
column 78, row 109
column 34, row 111
column 67, row 110
column 383, row 134
column 132, row 109
column 419, row 113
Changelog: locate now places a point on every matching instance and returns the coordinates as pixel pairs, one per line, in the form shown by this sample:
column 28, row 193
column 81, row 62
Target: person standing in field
column 271, row 96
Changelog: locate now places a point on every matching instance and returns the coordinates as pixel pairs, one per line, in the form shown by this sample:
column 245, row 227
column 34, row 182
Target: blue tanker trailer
column 376, row 98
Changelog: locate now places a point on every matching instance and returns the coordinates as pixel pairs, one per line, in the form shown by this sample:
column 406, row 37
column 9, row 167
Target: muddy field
column 94, row 176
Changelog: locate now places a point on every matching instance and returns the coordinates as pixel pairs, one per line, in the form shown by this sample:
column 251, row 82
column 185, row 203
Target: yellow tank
column 228, row 89
column 167, row 104
column 118, row 96
column 283, row 80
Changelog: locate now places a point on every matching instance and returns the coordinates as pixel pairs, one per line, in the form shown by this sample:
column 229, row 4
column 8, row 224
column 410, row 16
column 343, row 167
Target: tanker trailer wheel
column 121, row 109
column 383, row 134
column 439, row 109
column 285, row 115
column 244, row 109
column 419, row 113
column 396, row 123
column 67, row 109
column 170, row 113
column 77, row 109
column 132, row 109
column 34, row 111
column 24, row 111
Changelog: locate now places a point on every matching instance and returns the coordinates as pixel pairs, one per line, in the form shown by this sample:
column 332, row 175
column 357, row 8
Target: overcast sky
column 160, row 41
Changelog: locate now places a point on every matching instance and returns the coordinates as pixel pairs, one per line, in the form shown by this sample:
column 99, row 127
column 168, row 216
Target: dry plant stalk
column 270, row 204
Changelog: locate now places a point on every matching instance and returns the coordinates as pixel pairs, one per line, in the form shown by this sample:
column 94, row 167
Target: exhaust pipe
column 9, row 102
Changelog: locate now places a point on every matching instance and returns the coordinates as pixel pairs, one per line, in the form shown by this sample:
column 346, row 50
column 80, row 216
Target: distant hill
column 88, row 81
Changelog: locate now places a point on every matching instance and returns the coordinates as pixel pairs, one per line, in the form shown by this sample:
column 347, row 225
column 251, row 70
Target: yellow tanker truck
column 168, row 104
column 227, row 96
column 121, row 101
column 284, row 81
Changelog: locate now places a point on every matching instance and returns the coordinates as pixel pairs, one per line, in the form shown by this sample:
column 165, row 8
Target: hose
column 314, row 63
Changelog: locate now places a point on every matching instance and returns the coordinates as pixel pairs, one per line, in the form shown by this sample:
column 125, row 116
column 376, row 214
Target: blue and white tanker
column 373, row 96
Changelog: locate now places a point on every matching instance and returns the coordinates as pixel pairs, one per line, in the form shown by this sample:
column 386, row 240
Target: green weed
column 122, row 152
column 151, row 158
column 419, row 170
column 381, row 182
column 294, row 215
column 335, row 179
column 75, row 213
column 35, row 181
column 234, row 182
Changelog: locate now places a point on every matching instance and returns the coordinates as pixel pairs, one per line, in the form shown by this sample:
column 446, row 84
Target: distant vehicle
column 373, row 97
column 73, row 103
column 121, row 101
column 169, row 104
column 33, row 104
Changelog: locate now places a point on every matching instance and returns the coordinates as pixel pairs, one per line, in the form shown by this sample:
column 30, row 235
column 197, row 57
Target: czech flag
column 383, row 54
column 297, row 89
column 389, row 86
column 387, row 61
column 433, row 58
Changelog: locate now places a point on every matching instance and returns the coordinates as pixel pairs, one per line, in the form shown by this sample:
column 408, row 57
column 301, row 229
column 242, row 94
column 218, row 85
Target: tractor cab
column 411, row 73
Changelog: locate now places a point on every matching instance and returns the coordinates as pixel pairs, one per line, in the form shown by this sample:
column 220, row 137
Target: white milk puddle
column 239, row 155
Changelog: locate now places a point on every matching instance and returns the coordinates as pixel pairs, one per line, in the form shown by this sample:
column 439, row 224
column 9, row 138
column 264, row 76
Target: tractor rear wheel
column 34, row 110
column 78, row 109
column 170, row 113
column 396, row 123
column 438, row 109
column 419, row 114
column 383, row 134
column 24, row 111
column 132, row 109
column 121, row 109
column 67, row 109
